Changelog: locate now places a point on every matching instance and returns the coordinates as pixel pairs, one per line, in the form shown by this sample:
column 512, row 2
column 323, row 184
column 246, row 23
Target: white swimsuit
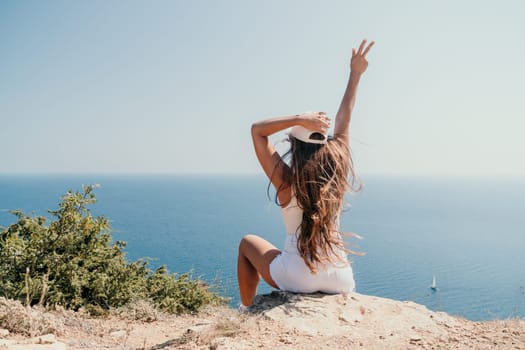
column 290, row 272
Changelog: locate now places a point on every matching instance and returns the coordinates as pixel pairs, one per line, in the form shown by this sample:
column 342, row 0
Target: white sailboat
column 433, row 286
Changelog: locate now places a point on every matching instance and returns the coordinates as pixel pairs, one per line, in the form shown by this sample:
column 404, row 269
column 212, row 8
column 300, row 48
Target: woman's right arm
column 358, row 66
column 268, row 157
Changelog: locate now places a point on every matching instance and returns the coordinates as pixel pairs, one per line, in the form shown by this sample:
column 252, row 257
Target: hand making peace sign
column 359, row 63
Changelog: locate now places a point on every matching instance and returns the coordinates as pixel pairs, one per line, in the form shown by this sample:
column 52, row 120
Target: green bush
column 73, row 262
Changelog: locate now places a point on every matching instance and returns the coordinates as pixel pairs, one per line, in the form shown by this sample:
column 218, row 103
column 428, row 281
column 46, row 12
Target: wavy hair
column 318, row 176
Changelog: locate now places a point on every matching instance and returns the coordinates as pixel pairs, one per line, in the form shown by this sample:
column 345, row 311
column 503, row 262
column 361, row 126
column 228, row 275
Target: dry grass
column 17, row 318
column 139, row 310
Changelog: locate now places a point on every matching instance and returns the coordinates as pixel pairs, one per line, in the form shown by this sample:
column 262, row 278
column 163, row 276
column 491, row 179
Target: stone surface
column 54, row 346
column 363, row 317
column 118, row 334
column 43, row 342
column 5, row 342
column 45, row 339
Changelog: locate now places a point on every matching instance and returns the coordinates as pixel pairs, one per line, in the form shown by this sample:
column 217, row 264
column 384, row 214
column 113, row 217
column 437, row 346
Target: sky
column 173, row 86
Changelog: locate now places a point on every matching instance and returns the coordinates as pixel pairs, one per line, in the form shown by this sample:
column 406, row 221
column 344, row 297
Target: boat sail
column 433, row 286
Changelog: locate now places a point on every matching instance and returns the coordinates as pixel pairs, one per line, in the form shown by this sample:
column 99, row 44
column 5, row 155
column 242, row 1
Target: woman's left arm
column 358, row 66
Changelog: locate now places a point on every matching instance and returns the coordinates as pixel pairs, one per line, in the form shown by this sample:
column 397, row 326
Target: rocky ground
column 276, row 321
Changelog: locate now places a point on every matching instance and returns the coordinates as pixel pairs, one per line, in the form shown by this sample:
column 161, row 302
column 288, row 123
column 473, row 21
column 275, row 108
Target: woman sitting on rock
column 310, row 190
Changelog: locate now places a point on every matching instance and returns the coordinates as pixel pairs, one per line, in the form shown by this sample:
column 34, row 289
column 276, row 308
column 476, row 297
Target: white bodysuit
column 290, row 272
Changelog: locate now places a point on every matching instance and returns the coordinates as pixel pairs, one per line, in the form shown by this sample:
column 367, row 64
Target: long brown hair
column 319, row 178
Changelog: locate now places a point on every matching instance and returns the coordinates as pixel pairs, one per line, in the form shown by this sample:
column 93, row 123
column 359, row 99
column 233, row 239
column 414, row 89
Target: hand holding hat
column 313, row 128
column 315, row 121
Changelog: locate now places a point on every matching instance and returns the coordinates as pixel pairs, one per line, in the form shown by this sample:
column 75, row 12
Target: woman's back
column 291, row 273
column 292, row 216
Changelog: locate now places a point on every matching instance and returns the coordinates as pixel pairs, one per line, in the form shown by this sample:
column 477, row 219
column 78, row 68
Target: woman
column 310, row 190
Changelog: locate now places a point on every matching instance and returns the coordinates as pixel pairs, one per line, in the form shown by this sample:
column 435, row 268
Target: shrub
column 73, row 262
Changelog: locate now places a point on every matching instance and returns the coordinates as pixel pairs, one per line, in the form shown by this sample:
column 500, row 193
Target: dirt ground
column 369, row 324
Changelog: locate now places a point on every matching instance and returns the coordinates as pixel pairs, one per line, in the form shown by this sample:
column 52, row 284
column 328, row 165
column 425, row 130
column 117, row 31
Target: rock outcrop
column 342, row 314
column 370, row 322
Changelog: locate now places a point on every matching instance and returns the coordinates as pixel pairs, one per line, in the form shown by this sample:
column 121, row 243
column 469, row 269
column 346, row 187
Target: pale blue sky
column 173, row 86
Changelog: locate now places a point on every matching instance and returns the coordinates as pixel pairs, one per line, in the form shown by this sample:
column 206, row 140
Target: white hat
column 307, row 135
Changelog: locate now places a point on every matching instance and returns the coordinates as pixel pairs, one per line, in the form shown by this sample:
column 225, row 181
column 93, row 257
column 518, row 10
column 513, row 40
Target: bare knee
column 245, row 241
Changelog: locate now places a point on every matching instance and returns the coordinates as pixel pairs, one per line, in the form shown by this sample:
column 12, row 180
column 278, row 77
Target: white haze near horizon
column 173, row 86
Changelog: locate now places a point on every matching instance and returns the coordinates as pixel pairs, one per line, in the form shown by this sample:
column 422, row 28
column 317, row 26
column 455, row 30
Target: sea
column 467, row 232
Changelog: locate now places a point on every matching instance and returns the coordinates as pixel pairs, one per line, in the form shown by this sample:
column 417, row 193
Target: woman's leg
column 255, row 256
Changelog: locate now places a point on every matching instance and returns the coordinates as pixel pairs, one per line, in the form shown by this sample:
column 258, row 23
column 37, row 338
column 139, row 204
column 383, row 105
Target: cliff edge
column 277, row 320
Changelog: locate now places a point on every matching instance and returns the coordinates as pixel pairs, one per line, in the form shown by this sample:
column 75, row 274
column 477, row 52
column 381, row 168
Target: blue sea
column 467, row 232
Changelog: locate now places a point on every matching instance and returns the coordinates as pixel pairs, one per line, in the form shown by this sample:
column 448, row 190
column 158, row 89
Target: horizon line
column 242, row 173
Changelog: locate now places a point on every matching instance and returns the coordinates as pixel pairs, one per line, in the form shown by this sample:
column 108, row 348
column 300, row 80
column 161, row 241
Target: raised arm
column 268, row 157
column 358, row 66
